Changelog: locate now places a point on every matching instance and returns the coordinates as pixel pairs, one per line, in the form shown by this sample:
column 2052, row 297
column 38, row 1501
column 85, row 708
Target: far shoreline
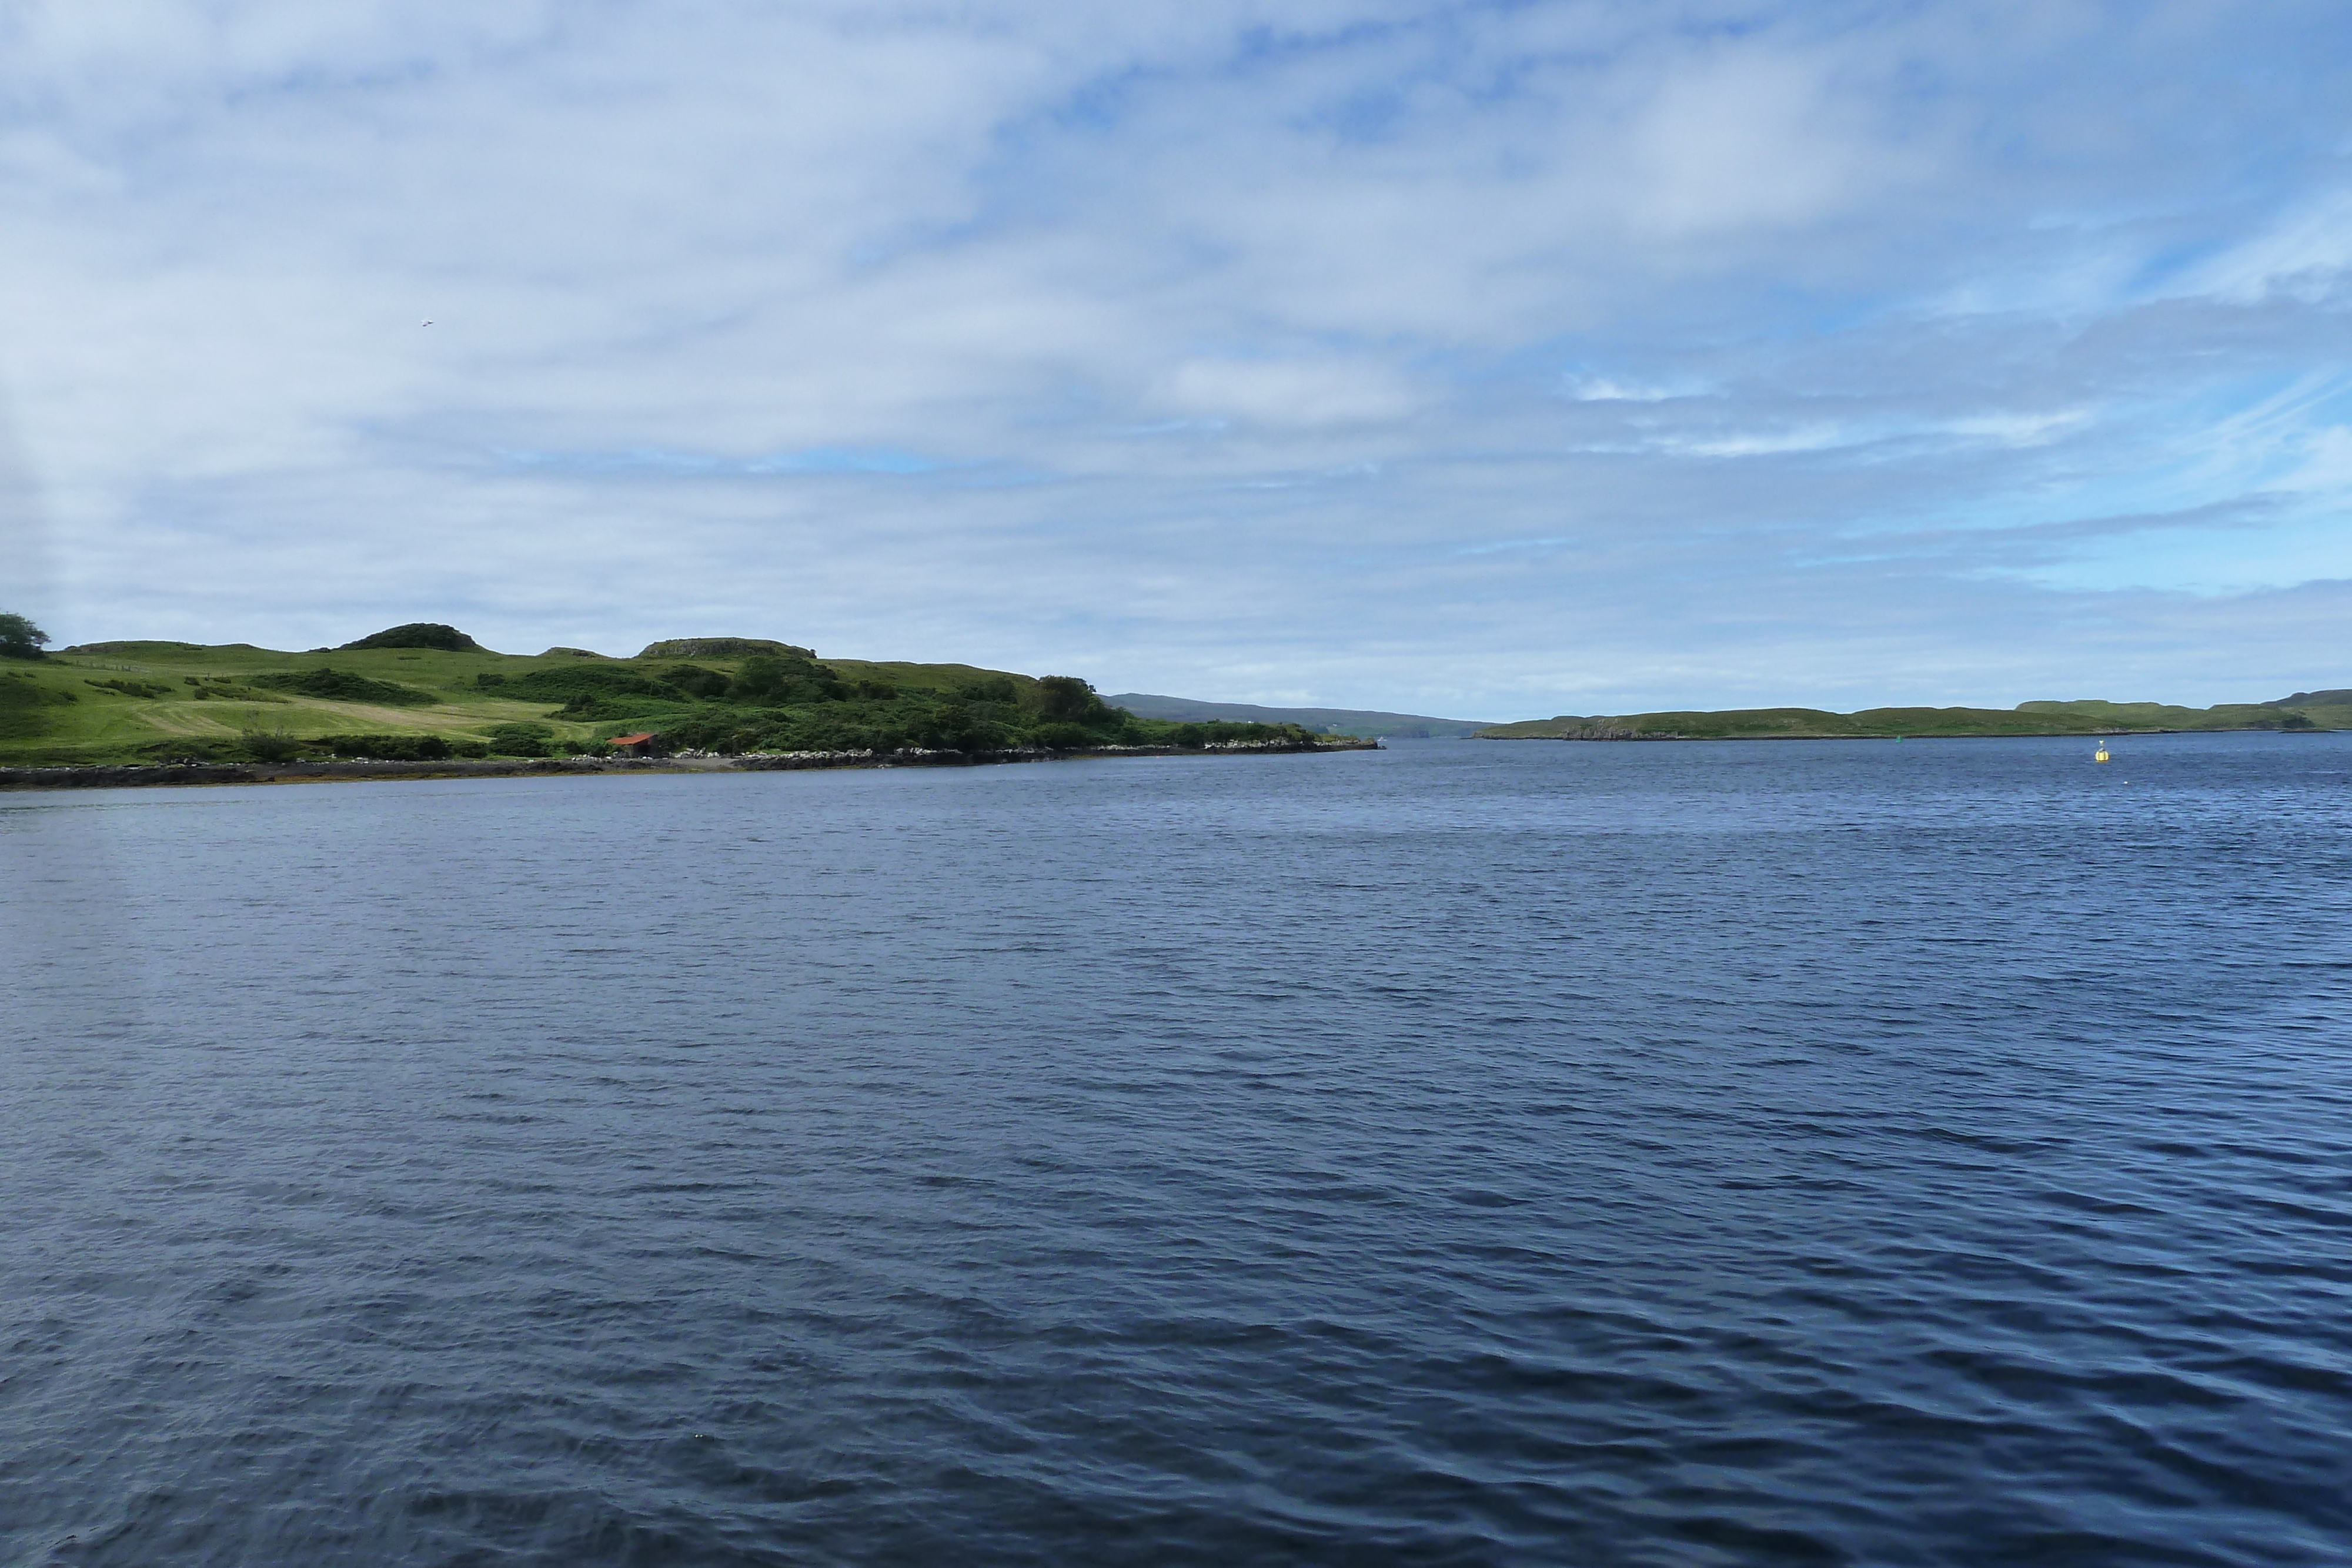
column 1913, row 734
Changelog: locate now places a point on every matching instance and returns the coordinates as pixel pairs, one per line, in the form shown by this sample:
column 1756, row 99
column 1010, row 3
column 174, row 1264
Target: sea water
column 1466, row 1153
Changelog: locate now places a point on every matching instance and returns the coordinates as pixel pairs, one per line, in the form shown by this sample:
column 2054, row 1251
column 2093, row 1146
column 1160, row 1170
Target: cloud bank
column 1499, row 360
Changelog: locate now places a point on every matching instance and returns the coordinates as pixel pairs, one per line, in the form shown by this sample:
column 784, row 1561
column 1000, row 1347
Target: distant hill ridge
column 722, row 648
column 2305, row 711
column 1346, row 720
column 426, row 692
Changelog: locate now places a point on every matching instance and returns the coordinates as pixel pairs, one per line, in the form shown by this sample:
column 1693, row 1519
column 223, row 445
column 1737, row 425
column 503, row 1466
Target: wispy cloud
column 1487, row 358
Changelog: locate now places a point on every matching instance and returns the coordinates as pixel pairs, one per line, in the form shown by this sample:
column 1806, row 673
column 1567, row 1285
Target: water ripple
column 1465, row 1153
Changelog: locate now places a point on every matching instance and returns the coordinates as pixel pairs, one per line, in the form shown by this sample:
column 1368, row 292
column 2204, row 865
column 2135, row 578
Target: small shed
column 645, row 745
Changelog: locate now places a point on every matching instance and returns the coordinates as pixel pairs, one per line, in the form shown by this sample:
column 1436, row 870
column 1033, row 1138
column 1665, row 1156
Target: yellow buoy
column 2100, row 755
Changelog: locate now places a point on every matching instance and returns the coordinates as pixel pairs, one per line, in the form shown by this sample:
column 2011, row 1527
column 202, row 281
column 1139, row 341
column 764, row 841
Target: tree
column 19, row 638
column 1065, row 699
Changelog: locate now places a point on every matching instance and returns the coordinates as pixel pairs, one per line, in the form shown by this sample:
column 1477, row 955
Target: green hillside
column 2303, row 711
column 425, row 692
column 1329, row 720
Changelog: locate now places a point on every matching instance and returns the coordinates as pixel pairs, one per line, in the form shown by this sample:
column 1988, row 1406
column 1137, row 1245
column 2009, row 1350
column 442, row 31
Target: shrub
column 488, row 678
column 566, row 682
column 522, row 739
column 342, row 686
column 772, row 681
column 950, row 728
column 1063, row 736
column 270, row 747
column 696, row 682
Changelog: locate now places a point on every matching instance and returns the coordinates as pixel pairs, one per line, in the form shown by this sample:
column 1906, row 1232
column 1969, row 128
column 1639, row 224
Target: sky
column 1490, row 361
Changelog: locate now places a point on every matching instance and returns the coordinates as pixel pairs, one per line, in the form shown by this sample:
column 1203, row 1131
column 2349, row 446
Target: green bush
column 524, row 739
column 131, row 688
column 1063, row 736
column 490, row 678
column 953, row 727
column 627, row 710
column 696, row 682
column 263, row 748
column 567, row 682
column 342, row 686
column 773, row 682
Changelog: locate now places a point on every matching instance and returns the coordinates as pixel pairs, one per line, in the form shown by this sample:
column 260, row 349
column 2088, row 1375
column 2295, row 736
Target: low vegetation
column 341, row 685
column 2303, row 711
column 426, row 692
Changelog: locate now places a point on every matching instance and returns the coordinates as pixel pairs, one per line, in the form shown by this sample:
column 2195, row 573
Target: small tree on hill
column 19, row 638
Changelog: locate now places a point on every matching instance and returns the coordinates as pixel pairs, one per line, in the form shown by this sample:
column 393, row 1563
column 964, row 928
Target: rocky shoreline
column 112, row 775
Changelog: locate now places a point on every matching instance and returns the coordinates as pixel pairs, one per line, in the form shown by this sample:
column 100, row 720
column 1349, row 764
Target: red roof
column 633, row 739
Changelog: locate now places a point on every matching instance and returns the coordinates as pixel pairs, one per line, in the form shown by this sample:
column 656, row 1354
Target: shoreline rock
column 120, row 776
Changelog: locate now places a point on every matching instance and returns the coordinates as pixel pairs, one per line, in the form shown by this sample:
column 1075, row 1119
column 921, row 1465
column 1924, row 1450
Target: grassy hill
column 1332, row 720
column 2303, row 711
column 427, row 692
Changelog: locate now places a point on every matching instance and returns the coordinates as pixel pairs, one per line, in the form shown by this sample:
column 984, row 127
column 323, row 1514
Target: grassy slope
column 2087, row 717
column 102, row 725
column 1349, row 721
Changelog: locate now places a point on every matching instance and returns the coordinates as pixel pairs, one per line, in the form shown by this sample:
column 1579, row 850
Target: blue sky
column 1485, row 360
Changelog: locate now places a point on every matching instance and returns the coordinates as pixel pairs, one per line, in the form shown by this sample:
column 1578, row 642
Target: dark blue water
column 1465, row 1153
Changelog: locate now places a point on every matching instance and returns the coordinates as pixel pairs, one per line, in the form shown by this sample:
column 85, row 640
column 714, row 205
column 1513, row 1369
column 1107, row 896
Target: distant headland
column 426, row 698
column 2305, row 711
column 1331, row 720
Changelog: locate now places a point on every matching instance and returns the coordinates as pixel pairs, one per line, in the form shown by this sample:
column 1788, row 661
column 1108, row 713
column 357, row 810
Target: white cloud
column 1023, row 332
column 1291, row 391
column 1745, row 137
column 2305, row 255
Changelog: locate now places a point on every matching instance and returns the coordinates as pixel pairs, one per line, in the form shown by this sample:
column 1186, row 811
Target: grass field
column 149, row 701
